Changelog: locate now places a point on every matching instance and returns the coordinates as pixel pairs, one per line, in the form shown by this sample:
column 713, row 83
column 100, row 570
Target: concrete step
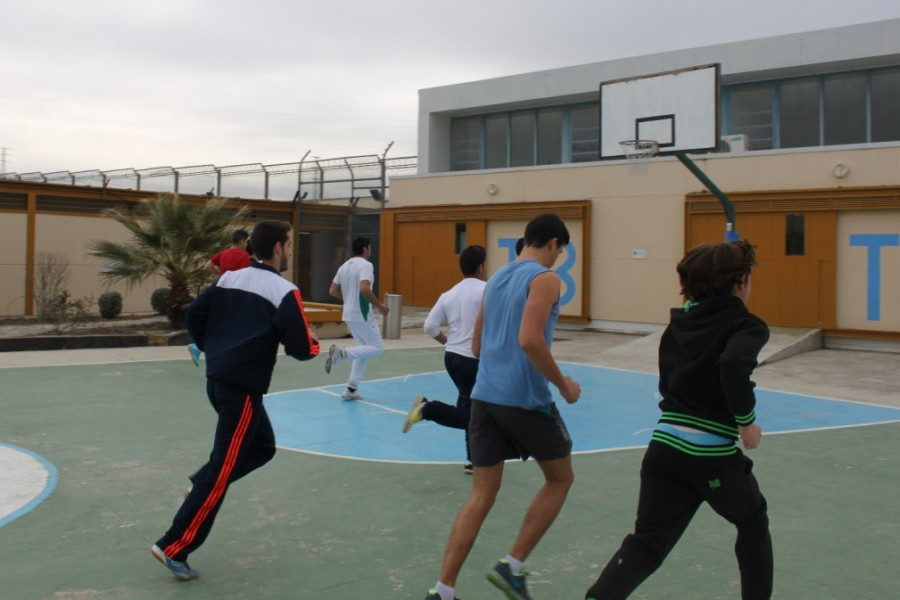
column 783, row 343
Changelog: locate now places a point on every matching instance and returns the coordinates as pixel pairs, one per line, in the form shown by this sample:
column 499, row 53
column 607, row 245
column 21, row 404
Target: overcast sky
column 108, row 84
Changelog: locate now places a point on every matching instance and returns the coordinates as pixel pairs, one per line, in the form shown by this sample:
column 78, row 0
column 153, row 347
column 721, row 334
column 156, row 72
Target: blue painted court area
column 617, row 410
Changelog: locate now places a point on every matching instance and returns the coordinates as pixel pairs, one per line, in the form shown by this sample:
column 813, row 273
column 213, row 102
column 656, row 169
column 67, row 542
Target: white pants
column 368, row 345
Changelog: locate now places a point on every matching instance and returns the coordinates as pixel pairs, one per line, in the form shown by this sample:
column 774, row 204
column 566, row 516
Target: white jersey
column 457, row 307
column 348, row 277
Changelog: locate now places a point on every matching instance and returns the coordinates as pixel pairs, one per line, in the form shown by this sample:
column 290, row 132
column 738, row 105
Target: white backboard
column 678, row 109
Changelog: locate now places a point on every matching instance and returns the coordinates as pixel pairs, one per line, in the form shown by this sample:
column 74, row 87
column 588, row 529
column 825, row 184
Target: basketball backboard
column 678, row 109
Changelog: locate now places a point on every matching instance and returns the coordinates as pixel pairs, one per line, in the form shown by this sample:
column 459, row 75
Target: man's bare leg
column 558, row 479
column 468, row 522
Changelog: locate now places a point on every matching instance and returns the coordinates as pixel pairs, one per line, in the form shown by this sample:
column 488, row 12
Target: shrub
column 65, row 313
column 158, row 300
column 110, row 304
column 51, row 275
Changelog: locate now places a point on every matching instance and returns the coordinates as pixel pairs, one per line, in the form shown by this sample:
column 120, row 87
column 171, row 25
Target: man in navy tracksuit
column 238, row 322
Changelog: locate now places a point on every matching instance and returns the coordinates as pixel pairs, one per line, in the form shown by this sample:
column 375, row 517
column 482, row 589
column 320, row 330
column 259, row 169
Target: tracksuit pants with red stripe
column 244, row 441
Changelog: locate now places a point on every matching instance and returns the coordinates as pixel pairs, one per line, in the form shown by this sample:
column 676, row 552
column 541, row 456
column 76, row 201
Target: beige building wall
column 69, row 235
column 868, row 298
column 12, row 263
column 638, row 222
column 568, row 267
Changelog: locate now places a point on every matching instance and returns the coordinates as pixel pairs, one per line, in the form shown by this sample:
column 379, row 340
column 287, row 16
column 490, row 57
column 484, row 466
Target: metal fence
column 311, row 178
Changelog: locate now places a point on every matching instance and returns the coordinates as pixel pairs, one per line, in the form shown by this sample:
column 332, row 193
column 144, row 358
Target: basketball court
column 96, row 446
column 352, row 508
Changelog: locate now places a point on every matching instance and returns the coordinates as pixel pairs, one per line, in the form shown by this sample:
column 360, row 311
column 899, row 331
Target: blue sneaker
column 195, row 354
column 513, row 585
column 180, row 569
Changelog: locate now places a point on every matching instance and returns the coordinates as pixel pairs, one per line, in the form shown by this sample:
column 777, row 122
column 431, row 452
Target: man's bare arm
column 542, row 295
column 212, row 268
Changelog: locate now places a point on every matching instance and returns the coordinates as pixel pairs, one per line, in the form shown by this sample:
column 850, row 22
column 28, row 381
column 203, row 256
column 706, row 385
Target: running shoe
column 351, row 395
column 433, row 595
column 415, row 413
column 335, row 355
column 179, row 569
column 513, row 585
column 468, row 469
column 194, row 351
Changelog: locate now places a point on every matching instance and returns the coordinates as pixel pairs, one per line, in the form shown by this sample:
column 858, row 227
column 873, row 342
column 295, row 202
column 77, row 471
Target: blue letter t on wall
column 874, row 242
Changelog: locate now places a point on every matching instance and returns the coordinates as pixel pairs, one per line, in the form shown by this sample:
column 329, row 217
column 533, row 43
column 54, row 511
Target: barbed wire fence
column 346, row 178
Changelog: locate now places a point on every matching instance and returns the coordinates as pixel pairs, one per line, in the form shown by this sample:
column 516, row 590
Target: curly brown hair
column 712, row 270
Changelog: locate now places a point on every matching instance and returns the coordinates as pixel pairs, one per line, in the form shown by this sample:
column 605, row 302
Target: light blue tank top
column 505, row 376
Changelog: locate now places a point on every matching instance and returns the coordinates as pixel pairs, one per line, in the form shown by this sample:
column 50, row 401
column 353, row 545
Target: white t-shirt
column 457, row 307
column 348, row 277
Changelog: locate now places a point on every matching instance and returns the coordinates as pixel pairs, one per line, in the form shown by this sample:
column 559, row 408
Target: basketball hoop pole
column 731, row 233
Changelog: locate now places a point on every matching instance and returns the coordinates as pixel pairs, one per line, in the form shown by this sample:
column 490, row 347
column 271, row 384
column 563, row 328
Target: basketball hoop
column 639, row 152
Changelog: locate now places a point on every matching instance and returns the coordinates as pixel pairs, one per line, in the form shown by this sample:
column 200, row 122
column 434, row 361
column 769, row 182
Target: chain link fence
column 310, row 179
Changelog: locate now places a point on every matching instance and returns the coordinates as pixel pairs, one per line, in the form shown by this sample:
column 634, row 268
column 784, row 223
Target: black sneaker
column 433, row 595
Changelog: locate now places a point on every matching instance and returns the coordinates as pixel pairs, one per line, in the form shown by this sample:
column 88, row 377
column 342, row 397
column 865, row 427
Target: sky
column 113, row 84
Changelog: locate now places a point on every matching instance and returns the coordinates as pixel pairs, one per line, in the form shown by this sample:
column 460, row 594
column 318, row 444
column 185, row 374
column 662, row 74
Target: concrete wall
column 69, row 235
column 868, row 289
column 12, row 263
column 648, row 214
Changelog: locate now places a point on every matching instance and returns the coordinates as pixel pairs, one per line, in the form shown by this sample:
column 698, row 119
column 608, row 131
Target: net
column 639, row 152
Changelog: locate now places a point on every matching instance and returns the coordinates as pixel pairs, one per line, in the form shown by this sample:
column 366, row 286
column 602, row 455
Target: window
column 799, row 115
column 521, row 138
column 794, row 235
column 845, row 108
column 585, row 132
column 496, row 141
column 549, row 138
column 842, row 108
column 465, row 144
column 752, row 112
column 460, row 241
column 885, row 100
column 545, row 136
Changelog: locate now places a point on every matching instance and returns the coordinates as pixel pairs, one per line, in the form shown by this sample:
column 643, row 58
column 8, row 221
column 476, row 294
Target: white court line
column 337, row 395
column 377, row 460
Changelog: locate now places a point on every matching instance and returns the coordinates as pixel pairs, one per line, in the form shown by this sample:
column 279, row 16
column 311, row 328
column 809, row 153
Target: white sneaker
column 335, row 355
column 348, row 395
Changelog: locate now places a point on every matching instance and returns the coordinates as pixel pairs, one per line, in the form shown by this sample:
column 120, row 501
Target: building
column 811, row 164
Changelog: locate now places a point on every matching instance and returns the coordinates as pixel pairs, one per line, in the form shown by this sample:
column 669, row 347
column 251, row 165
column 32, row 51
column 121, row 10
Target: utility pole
column 3, row 160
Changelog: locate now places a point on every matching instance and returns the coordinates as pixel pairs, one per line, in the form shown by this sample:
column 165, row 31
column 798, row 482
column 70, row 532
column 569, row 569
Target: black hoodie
column 706, row 357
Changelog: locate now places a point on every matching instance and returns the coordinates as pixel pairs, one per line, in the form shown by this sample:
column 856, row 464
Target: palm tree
column 170, row 238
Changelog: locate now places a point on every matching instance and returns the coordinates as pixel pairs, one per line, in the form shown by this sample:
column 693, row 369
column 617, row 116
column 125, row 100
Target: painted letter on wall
column 874, row 242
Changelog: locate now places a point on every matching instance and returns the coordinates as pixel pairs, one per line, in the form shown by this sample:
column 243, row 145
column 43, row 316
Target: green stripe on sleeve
column 746, row 419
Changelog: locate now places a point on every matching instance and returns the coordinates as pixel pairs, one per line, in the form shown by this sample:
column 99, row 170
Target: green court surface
column 124, row 436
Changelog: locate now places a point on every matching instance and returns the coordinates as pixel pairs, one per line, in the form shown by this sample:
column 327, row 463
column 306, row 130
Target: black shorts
column 498, row 432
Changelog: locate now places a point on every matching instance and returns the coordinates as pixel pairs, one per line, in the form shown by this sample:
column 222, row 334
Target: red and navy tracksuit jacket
column 238, row 322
